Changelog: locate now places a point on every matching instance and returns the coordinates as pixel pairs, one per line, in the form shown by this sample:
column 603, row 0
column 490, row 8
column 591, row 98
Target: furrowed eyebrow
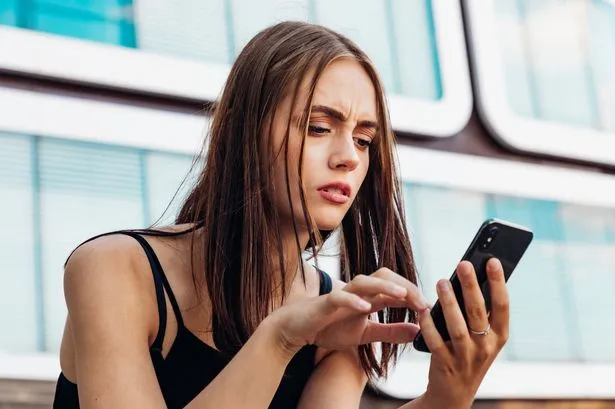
column 334, row 113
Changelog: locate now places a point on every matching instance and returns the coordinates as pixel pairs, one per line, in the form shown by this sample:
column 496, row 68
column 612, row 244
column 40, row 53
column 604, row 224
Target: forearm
column 429, row 402
column 252, row 377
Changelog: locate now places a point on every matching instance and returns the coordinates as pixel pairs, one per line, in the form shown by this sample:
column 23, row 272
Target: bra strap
column 326, row 285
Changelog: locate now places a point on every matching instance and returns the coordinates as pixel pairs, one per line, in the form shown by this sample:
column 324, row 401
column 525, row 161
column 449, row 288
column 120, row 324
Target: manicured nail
column 444, row 286
column 494, row 266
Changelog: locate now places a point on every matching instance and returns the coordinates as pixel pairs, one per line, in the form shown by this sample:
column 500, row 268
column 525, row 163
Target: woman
column 220, row 311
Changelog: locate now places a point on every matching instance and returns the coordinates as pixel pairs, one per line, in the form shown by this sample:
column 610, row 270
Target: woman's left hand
column 458, row 367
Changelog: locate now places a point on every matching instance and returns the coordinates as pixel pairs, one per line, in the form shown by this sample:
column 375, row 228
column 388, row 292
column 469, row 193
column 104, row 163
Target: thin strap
column 325, row 282
column 159, row 274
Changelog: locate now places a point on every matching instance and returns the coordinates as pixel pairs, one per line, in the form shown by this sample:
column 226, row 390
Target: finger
column 395, row 333
column 381, row 301
column 473, row 297
column 455, row 323
column 500, row 307
column 414, row 298
column 432, row 337
column 370, row 286
column 336, row 300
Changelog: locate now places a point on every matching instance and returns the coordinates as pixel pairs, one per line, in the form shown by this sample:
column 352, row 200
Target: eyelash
column 321, row 131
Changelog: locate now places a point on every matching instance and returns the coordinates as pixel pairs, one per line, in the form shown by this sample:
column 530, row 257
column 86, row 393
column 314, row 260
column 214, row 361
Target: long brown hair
column 241, row 238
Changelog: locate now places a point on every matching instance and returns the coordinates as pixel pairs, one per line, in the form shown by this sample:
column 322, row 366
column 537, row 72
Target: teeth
column 334, row 190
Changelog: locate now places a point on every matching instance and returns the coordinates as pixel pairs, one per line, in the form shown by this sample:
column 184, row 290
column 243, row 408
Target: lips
column 336, row 193
column 337, row 188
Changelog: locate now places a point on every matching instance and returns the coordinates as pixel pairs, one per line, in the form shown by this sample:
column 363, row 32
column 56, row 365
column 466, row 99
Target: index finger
column 415, row 299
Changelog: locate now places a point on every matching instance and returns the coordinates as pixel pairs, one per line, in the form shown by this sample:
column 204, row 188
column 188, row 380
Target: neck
column 292, row 257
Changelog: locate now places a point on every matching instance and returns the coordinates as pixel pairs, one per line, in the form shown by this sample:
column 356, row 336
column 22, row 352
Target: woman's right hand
column 340, row 319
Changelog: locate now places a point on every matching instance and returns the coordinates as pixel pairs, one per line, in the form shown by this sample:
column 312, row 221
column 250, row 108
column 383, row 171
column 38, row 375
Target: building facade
column 502, row 108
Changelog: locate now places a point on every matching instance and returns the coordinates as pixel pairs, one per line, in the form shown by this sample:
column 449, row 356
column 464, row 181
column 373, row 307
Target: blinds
column 17, row 259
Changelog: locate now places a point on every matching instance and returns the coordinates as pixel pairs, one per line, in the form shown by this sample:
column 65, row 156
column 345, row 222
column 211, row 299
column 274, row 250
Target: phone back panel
column 508, row 245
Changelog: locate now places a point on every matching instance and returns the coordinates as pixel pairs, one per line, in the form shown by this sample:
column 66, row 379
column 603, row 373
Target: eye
column 318, row 130
column 363, row 143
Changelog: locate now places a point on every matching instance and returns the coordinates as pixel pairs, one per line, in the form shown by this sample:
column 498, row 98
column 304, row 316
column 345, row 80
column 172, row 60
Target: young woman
column 221, row 311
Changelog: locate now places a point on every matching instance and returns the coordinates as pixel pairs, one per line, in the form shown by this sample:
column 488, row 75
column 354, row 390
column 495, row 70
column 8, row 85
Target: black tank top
column 191, row 364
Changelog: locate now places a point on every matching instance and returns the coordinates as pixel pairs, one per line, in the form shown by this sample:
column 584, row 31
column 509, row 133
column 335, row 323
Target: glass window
column 544, row 74
column 164, row 174
column 250, row 17
column 188, row 28
column 107, row 21
column 8, row 12
column 414, row 40
column 589, row 260
column 85, row 189
column 561, row 291
column 367, row 23
column 18, row 295
column 554, row 39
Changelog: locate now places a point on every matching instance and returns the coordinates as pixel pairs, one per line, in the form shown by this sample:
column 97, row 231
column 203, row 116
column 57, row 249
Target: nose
column 344, row 153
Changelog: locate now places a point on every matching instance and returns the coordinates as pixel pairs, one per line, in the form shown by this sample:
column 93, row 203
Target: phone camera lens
column 491, row 233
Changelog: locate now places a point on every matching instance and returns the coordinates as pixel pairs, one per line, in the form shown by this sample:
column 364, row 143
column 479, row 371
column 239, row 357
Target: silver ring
column 483, row 332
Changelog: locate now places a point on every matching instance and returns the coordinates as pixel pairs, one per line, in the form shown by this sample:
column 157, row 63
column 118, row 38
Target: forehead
column 345, row 85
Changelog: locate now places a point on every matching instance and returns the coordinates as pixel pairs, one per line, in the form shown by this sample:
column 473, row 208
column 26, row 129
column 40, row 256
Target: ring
column 483, row 332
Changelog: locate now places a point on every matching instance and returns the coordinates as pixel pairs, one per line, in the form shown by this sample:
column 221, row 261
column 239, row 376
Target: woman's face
column 341, row 127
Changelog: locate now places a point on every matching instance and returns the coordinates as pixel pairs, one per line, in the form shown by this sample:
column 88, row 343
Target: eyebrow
column 334, row 113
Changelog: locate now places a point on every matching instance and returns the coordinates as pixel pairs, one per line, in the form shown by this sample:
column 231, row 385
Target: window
column 19, row 292
column 544, row 74
column 417, row 46
column 106, row 21
column 561, row 291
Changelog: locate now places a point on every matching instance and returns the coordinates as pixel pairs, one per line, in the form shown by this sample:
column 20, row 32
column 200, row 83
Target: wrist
column 271, row 328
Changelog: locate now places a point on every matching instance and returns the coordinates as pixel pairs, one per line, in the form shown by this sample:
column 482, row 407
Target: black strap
column 159, row 275
column 160, row 283
column 326, row 285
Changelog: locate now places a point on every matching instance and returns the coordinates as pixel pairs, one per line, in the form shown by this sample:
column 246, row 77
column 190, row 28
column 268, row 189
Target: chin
column 328, row 222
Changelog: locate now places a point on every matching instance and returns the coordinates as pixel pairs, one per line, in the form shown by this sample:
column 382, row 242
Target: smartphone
column 495, row 238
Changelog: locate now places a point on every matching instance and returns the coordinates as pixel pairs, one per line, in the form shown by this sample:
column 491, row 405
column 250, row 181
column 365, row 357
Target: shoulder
column 108, row 274
column 102, row 259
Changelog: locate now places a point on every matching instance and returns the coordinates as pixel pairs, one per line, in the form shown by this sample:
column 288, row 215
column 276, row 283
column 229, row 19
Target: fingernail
column 494, row 266
column 444, row 286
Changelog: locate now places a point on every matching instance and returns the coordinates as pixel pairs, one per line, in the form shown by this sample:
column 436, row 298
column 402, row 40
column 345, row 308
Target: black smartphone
column 495, row 238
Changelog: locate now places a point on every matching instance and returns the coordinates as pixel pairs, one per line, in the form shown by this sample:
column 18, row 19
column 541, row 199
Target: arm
column 111, row 325
column 337, row 382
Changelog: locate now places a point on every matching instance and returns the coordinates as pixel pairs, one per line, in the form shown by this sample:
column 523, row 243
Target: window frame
column 143, row 71
column 518, row 133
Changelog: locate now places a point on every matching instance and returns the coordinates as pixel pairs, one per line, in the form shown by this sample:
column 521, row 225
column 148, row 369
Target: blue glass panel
column 414, row 49
column 366, row 23
column 86, row 189
column 589, row 260
column 520, row 85
column 165, row 173
column 91, row 28
column 18, row 305
column 188, row 28
column 601, row 27
column 109, row 9
column 559, row 56
column 250, row 17
column 538, row 285
column 8, row 12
